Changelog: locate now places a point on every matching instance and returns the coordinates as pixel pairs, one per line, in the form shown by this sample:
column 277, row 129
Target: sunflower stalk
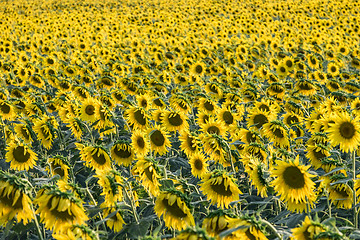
column 273, row 229
column 132, row 204
column 36, row 223
column 94, row 201
column 354, row 192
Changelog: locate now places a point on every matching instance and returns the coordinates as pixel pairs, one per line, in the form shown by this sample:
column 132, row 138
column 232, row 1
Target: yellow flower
column 220, row 188
column 60, row 210
column 345, row 132
column 308, row 230
column 94, row 156
column 14, row 201
column 292, row 182
column 175, row 210
column 20, row 156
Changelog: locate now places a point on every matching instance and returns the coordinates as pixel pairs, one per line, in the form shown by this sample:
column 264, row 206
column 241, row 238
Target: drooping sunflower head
column 14, row 200
column 115, row 222
column 149, row 174
column 95, row 157
column 137, row 117
column 20, row 156
column 192, row 233
column 24, row 132
column 174, row 206
column 190, row 142
column 59, row 210
column 308, row 230
column 277, row 132
column 220, row 188
column 122, row 152
column 59, row 166
column 111, row 182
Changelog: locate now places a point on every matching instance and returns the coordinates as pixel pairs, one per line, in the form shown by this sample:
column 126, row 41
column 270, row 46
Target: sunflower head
column 175, row 208
column 59, row 210
column 220, row 188
column 14, row 200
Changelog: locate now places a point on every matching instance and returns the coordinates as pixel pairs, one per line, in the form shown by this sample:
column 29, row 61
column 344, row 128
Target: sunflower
column 76, row 232
column 89, row 110
column 115, row 222
column 253, row 150
column 317, row 153
column 207, row 106
column 219, row 221
column 281, row 70
column 216, row 147
column 288, row 62
column 95, row 157
column 14, row 200
column 333, row 69
column 197, row 69
column 257, row 118
column 292, row 119
column 212, row 126
column 198, row 164
column 345, row 132
column 174, row 121
column 139, row 143
column 256, row 171
column 76, row 126
column 340, row 194
column 66, row 186
column 189, row 143
column 137, row 117
column 148, row 172
column 305, row 87
column 24, row 131
column 249, row 228
column 220, row 188
column 308, row 230
column 229, row 119
column 45, row 130
column 110, row 181
column 277, row 132
column 175, row 209
column 20, row 156
column 158, row 103
column 59, row 166
column 159, row 140
column 7, row 111
column 292, row 182
column 60, row 210
column 144, row 101
column 276, row 90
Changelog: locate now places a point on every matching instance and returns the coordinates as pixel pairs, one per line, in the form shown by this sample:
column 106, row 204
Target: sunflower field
column 183, row 119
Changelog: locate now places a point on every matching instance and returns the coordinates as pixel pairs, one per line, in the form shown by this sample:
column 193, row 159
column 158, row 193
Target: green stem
column 272, row 228
column 329, row 204
column 132, row 204
column 36, row 223
column 354, row 192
